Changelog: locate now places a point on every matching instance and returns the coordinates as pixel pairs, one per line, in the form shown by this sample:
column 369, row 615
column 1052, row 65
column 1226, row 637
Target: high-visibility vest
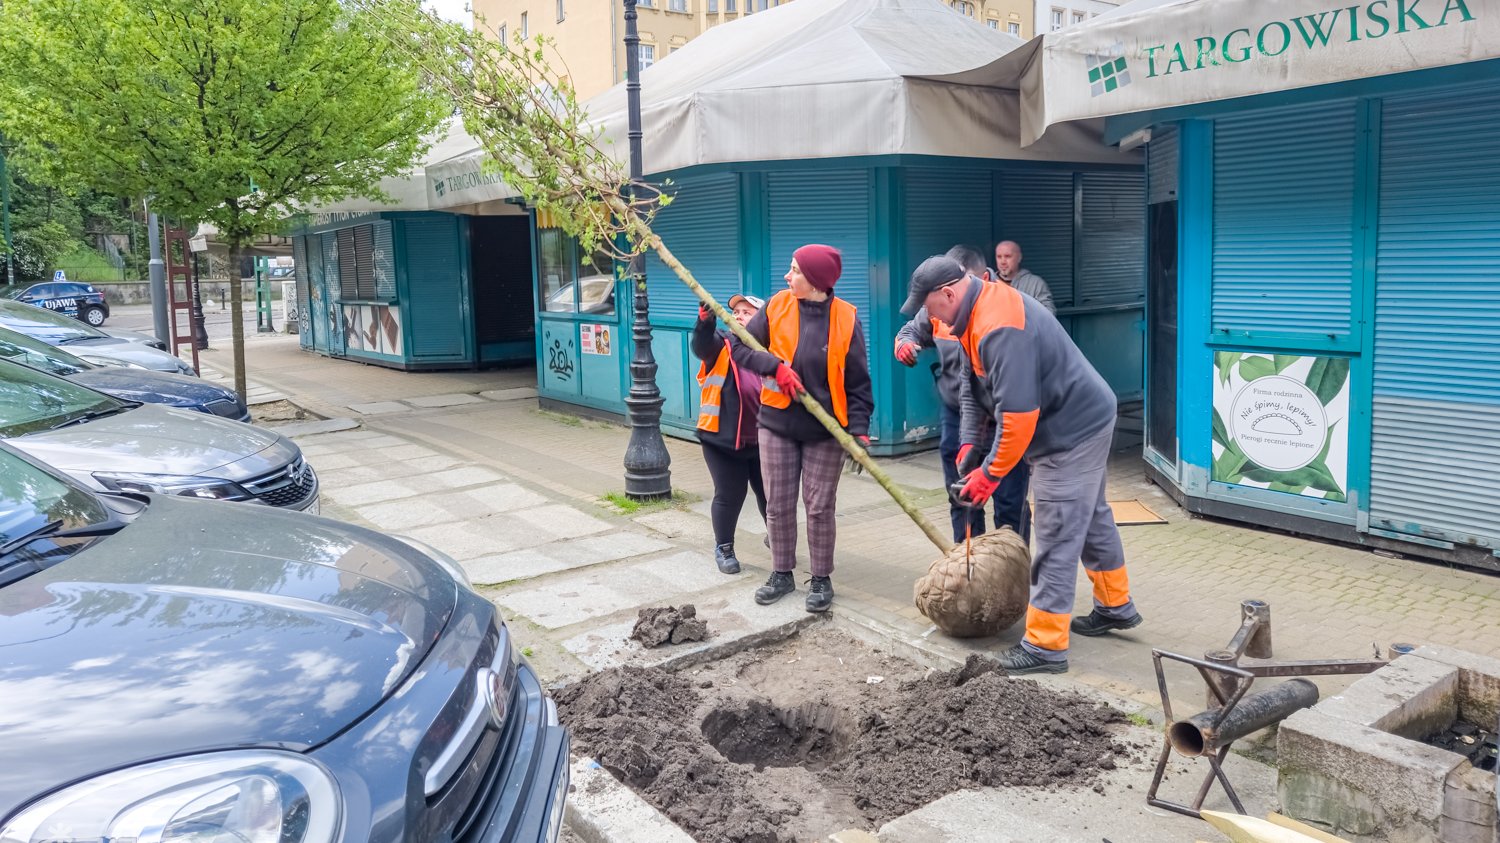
column 997, row 306
column 785, row 321
column 712, row 381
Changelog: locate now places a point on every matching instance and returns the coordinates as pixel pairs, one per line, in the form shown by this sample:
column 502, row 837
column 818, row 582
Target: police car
column 80, row 301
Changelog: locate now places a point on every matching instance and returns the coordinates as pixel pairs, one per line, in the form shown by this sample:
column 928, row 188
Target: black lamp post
column 648, row 474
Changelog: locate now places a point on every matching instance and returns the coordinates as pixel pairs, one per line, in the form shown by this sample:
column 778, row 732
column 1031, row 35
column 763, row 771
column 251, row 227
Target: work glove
column 969, row 458
column 788, row 382
column 978, row 487
column 851, row 465
column 704, row 314
column 906, row 352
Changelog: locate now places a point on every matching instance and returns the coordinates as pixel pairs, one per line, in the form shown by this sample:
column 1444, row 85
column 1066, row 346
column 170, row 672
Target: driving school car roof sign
column 60, row 275
column 1154, row 54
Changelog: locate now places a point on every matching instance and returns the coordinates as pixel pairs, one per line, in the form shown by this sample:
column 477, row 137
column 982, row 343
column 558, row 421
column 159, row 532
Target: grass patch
column 1138, row 719
column 623, row 504
column 560, row 418
column 86, row 265
column 527, row 652
column 617, row 502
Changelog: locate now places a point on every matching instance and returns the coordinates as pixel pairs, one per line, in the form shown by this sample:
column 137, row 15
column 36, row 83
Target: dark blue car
column 189, row 670
column 80, row 301
column 125, row 382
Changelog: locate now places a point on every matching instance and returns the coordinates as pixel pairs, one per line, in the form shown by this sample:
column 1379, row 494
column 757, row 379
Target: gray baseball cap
column 935, row 273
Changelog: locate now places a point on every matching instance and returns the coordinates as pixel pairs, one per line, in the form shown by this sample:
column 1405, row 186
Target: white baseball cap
column 753, row 301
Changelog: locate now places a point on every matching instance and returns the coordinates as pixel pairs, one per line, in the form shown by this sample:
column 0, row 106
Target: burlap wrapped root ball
column 989, row 602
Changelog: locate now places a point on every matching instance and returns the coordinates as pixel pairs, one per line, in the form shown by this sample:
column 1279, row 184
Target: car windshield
column 32, row 499
column 31, row 401
column 10, row 291
column 45, row 324
column 39, row 355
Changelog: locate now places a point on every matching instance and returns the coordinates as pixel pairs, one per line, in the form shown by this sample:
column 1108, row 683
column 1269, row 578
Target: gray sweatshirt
column 1032, row 285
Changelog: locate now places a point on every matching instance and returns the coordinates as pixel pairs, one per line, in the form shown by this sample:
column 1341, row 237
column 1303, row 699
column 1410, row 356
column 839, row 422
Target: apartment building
column 589, row 34
column 1052, row 15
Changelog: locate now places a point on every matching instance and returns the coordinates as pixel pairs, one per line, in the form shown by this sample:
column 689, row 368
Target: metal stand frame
column 1228, row 675
column 181, row 284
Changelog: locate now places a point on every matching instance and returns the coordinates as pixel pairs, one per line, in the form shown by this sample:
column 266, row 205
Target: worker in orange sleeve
column 1052, row 409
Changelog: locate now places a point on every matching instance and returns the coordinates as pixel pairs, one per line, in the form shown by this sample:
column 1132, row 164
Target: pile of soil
column 772, row 749
column 656, row 626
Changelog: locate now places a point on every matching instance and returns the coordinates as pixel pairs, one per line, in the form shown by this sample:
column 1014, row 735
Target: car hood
column 153, row 387
column 127, row 352
column 204, row 626
column 154, row 439
column 130, row 336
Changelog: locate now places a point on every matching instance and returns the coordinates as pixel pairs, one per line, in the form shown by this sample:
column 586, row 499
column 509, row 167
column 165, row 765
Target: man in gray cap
column 1053, row 410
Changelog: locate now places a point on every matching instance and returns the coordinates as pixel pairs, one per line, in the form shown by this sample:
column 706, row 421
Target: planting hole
column 757, row 733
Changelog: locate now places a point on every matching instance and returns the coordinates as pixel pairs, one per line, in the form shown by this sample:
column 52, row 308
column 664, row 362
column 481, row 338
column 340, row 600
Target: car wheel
column 94, row 316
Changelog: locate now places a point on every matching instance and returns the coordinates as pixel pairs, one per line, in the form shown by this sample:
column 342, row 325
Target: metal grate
column 287, row 486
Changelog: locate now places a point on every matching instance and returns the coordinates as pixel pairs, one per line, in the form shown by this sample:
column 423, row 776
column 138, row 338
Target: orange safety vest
column 712, row 381
column 784, row 319
column 998, row 306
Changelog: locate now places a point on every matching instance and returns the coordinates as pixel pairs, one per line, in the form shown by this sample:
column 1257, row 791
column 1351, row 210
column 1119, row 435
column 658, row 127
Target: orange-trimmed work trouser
column 1073, row 523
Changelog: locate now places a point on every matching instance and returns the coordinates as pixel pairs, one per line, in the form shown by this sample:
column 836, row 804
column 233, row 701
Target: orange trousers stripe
column 1047, row 629
column 1111, row 588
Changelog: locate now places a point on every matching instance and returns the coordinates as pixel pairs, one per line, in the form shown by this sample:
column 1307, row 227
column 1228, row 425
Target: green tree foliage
column 231, row 112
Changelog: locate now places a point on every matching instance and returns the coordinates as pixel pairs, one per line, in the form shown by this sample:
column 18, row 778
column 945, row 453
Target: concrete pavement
column 466, row 462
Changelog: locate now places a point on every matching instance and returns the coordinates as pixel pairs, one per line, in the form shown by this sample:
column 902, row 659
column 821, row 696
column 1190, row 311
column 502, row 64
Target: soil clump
column 656, row 626
column 823, row 733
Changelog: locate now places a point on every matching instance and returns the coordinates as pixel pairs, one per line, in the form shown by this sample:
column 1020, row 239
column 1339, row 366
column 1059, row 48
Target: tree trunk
column 828, row 421
column 236, row 312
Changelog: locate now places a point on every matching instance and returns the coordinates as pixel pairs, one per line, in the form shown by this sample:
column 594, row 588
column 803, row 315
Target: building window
column 677, row 5
column 1078, row 17
column 560, row 13
column 994, row 24
column 525, row 29
column 713, row 7
column 730, row 6
column 963, row 7
column 1013, row 29
column 645, row 2
column 502, row 33
column 760, row 5
column 648, row 55
column 1057, row 19
column 571, row 280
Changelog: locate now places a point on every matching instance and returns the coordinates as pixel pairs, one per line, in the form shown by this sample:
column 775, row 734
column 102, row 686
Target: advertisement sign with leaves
column 1281, row 422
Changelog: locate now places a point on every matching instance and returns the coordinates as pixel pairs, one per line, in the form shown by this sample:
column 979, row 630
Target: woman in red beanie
column 815, row 345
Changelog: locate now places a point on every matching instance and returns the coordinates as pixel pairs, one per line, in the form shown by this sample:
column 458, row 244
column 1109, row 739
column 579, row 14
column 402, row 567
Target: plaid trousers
column 786, row 464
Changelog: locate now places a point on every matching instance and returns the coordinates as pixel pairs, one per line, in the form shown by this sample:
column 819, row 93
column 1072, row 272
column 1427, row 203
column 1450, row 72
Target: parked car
column 193, row 671
column 124, row 446
column 130, row 383
column 71, row 298
column 87, row 342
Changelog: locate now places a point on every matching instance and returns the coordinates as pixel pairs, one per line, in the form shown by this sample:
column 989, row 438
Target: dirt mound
column 729, row 765
column 661, row 625
column 969, row 727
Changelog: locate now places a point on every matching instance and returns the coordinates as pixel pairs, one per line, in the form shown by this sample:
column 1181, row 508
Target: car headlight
column 446, row 562
column 210, row 488
column 109, row 361
column 249, row 796
column 185, row 368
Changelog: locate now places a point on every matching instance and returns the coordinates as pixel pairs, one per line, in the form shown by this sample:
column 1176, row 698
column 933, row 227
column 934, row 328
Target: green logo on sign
column 1106, row 73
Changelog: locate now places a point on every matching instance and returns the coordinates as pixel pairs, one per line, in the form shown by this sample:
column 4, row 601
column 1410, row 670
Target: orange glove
column 978, row 487
column 788, row 382
column 906, row 352
column 704, row 314
column 865, row 441
column 968, row 459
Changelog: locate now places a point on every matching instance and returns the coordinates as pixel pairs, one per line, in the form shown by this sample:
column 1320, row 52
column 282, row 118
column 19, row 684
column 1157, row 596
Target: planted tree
column 540, row 140
column 230, row 112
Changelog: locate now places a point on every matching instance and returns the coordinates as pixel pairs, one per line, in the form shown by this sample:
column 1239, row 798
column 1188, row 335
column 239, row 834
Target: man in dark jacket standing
column 951, row 369
column 1052, row 409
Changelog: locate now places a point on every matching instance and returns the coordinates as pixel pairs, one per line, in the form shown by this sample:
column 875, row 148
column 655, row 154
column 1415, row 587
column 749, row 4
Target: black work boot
column 819, row 594
column 778, row 586
column 1094, row 624
column 724, row 558
column 1018, row 660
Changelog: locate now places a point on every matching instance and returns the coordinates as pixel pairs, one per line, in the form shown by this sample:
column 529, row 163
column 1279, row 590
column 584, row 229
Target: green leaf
column 1256, row 367
column 1336, row 496
column 1327, row 380
column 1312, row 476
column 1225, row 361
column 1282, row 361
column 1228, row 467
column 1221, row 433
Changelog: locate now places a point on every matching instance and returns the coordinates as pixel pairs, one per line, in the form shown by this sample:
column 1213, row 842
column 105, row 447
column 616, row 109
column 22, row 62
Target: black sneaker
column 1094, row 624
column 724, row 558
column 819, row 594
column 778, row 586
column 1019, row 660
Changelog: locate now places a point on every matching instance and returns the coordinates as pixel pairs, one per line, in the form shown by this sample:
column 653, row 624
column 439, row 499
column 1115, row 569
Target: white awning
column 1153, row 54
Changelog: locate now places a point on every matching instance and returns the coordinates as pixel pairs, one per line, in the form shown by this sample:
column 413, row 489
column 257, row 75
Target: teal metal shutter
column 435, row 289
column 1283, row 221
column 384, row 262
column 1036, row 211
column 945, row 208
column 1162, row 156
column 823, row 206
column 1436, row 417
column 701, row 227
column 1112, row 239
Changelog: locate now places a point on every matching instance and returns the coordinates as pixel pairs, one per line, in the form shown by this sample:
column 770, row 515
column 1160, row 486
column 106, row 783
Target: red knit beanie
column 821, row 265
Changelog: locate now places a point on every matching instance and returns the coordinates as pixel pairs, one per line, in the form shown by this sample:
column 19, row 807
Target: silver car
column 87, row 342
column 114, row 445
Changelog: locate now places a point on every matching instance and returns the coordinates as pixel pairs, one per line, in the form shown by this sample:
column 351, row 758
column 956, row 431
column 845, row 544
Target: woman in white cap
column 727, row 425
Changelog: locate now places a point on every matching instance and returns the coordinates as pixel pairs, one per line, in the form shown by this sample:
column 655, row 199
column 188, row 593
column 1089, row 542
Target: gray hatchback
column 196, row 672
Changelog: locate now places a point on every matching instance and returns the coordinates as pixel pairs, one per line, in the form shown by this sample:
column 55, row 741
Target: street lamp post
column 648, row 474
